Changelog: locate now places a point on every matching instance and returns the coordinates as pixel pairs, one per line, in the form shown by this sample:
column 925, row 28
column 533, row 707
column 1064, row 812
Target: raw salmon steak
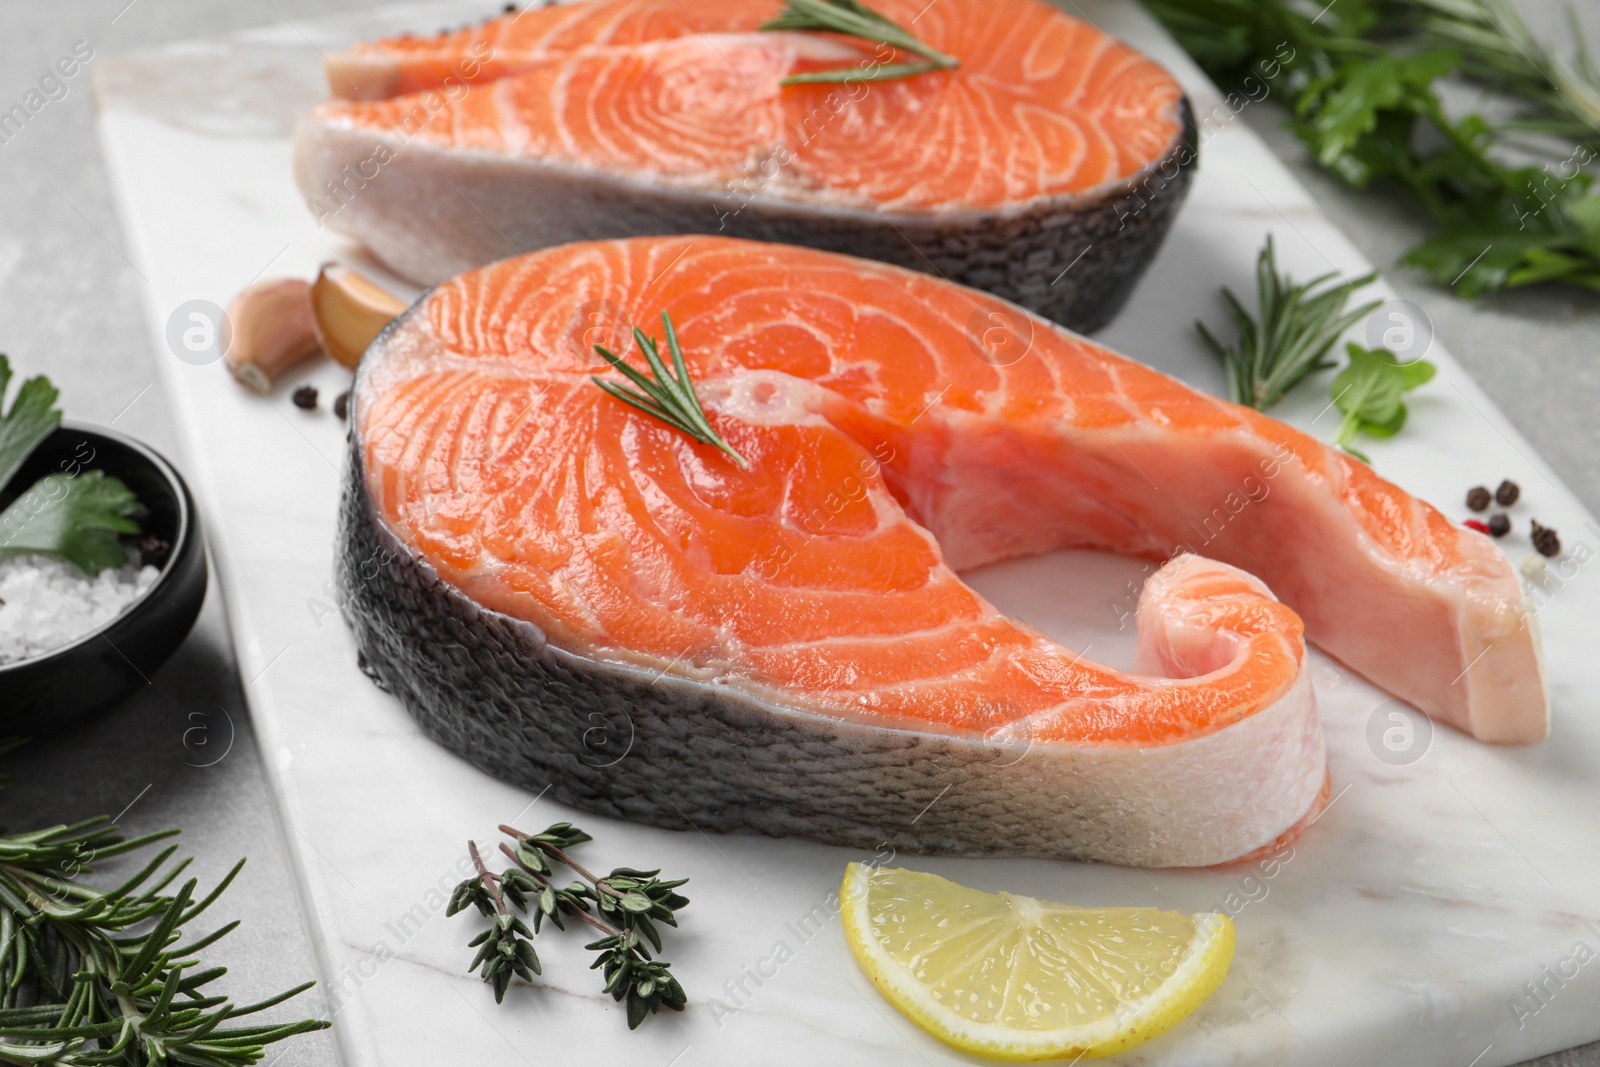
column 573, row 594
column 1046, row 167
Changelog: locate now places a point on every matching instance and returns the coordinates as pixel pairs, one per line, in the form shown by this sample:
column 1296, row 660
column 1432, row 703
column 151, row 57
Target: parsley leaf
column 1342, row 107
column 1361, row 78
column 75, row 518
column 1370, row 390
column 32, row 418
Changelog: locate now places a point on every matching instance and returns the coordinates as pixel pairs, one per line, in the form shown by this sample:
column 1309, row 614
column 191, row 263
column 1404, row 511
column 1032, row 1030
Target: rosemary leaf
column 1562, row 94
column 854, row 19
column 667, row 396
column 886, row 72
column 1298, row 324
column 92, row 977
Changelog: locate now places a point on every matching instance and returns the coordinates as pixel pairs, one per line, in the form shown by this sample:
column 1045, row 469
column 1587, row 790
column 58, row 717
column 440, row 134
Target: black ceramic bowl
column 96, row 671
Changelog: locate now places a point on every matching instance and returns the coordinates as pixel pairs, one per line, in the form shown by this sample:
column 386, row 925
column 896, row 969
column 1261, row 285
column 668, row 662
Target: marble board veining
column 1443, row 911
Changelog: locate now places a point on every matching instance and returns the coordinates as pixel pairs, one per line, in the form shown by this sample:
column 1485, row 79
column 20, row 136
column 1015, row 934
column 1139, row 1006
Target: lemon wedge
column 1015, row 978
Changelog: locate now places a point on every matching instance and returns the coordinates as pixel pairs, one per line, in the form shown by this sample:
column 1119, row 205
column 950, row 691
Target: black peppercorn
column 341, row 404
column 1478, row 498
column 1499, row 525
column 1545, row 540
column 1507, row 494
column 305, row 397
column 153, row 551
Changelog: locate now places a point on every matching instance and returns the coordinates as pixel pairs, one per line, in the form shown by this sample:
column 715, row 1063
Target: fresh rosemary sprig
column 1298, row 324
column 668, row 397
column 854, row 19
column 1497, row 48
column 95, row 978
column 624, row 906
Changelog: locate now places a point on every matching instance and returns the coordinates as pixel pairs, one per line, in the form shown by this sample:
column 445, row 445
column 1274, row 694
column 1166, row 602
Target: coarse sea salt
column 48, row 603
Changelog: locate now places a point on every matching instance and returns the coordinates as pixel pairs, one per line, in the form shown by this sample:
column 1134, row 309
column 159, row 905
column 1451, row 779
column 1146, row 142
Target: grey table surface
column 70, row 306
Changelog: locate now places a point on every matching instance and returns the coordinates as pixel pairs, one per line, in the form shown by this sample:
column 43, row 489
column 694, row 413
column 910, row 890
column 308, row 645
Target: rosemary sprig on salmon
column 854, row 19
column 668, row 397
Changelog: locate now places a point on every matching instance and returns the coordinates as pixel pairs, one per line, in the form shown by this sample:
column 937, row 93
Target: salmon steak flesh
column 1046, row 167
column 573, row 594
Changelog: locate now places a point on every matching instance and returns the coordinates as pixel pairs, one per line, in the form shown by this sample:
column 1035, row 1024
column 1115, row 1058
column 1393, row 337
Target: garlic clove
column 273, row 329
column 349, row 310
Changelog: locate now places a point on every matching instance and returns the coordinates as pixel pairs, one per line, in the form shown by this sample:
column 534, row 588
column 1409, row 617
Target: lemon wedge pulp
column 1015, row 978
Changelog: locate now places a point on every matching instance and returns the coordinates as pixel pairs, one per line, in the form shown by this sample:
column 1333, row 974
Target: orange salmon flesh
column 1041, row 105
column 887, row 454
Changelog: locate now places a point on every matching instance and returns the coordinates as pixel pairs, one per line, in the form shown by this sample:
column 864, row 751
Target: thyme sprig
column 667, row 396
column 624, row 906
column 854, row 19
column 507, row 946
column 96, row 978
column 1298, row 323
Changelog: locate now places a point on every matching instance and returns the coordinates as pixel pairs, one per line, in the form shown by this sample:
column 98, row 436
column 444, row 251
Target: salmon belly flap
column 789, row 647
column 1049, row 146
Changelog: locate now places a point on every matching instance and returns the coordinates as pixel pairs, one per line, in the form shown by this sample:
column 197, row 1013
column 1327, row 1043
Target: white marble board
column 1403, row 929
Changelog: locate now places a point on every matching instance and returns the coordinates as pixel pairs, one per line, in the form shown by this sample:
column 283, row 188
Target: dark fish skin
column 620, row 741
column 430, row 215
column 681, row 751
column 1075, row 262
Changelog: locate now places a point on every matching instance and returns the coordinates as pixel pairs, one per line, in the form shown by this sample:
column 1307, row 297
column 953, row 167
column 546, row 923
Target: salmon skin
column 1046, row 168
column 572, row 594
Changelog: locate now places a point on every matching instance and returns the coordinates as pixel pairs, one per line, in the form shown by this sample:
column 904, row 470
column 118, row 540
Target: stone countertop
column 181, row 752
